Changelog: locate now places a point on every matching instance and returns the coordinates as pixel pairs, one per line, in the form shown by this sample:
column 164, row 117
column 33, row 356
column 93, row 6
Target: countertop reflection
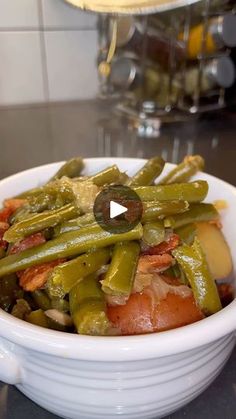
column 37, row 135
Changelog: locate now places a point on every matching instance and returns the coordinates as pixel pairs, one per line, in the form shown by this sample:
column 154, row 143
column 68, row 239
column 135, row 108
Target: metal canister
column 221, row 33
column 218, row 72
column 128, row 75
column 148, row 42
column 125, row 73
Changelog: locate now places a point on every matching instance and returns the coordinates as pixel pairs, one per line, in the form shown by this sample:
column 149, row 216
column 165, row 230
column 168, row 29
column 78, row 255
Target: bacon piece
column 14, row 203
column 3, row 228
column 165, row 247
column 154, row 263
column 10, row 206
column 27, row 243
column 5, row 213
column 35, row 277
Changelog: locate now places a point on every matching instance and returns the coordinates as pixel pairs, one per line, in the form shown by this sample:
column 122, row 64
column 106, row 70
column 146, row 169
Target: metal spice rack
column 146, row 116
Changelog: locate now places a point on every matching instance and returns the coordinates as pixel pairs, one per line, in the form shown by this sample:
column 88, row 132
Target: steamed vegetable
column 216, row 250
column 61, row 270
column 119, row 278
column 191, row 192
column 66, row 245
column 88, row 307
column 71, row 168
column 65, row 276
column 185, row 170
column 192, row 261
column 149, row 172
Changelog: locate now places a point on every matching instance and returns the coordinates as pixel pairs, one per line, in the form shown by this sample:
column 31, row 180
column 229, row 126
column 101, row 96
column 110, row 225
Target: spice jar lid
column 223, row 29
column 229, row 30
column 222, row 71
column 123, row 72
column 125, row 30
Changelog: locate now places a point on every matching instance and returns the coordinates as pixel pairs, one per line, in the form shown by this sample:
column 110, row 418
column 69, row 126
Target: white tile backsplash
column 48, row 52
column 58, row 14
column 21, row 72
column 71, row 64
column 15, row 14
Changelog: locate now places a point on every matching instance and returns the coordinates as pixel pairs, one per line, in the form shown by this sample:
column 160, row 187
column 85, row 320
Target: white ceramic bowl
column 101, row 377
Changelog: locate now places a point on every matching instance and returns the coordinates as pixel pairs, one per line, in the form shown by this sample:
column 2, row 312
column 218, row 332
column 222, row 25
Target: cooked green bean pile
column 60, row 270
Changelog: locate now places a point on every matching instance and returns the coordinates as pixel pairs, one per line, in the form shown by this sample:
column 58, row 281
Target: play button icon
column 117, row 209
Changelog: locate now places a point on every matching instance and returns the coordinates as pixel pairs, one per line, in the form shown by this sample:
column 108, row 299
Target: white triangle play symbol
column 116, row 209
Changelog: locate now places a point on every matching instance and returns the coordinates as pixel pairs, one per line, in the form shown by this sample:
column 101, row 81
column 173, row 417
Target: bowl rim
column 117, row 348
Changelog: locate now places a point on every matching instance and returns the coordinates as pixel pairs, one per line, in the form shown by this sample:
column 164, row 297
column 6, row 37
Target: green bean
column 75, row 224
column 42, row 202
column 149, row 172
column 187, row 233
column 71, row 169
column 39, row 222
column 109, row 175
column 61, row 188
column 177, row 272
column 191, row 192
column 153, row 210
column 65, row 276
column 193, row 262
column 9, row 292
column 2, row 252
column 21, row 309
column 88, row 307
column 196, row 213
column 41, row 299
column 154, row 233
column 30, row 193
column 19, row 214
column 66, row 245
column 60, row 304
column 184, row 171
column 38, row 318
column 119, row 278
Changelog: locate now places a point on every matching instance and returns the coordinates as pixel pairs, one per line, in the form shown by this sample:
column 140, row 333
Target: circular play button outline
column 117, row 209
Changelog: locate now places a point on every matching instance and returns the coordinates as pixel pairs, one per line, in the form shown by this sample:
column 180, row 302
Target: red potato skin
column 176, row 311
column 139, row 316
column 134, row 317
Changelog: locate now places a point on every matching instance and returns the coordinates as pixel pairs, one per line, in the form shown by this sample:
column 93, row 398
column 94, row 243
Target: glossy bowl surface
column 146, row 376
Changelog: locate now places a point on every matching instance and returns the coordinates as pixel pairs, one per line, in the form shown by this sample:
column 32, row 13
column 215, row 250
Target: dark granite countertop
column 37, row 135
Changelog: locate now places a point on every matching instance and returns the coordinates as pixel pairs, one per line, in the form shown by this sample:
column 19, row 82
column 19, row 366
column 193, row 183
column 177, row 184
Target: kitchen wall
column 47, row 52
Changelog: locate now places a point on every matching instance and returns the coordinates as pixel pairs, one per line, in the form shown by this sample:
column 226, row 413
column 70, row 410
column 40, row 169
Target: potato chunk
column 216, row 250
